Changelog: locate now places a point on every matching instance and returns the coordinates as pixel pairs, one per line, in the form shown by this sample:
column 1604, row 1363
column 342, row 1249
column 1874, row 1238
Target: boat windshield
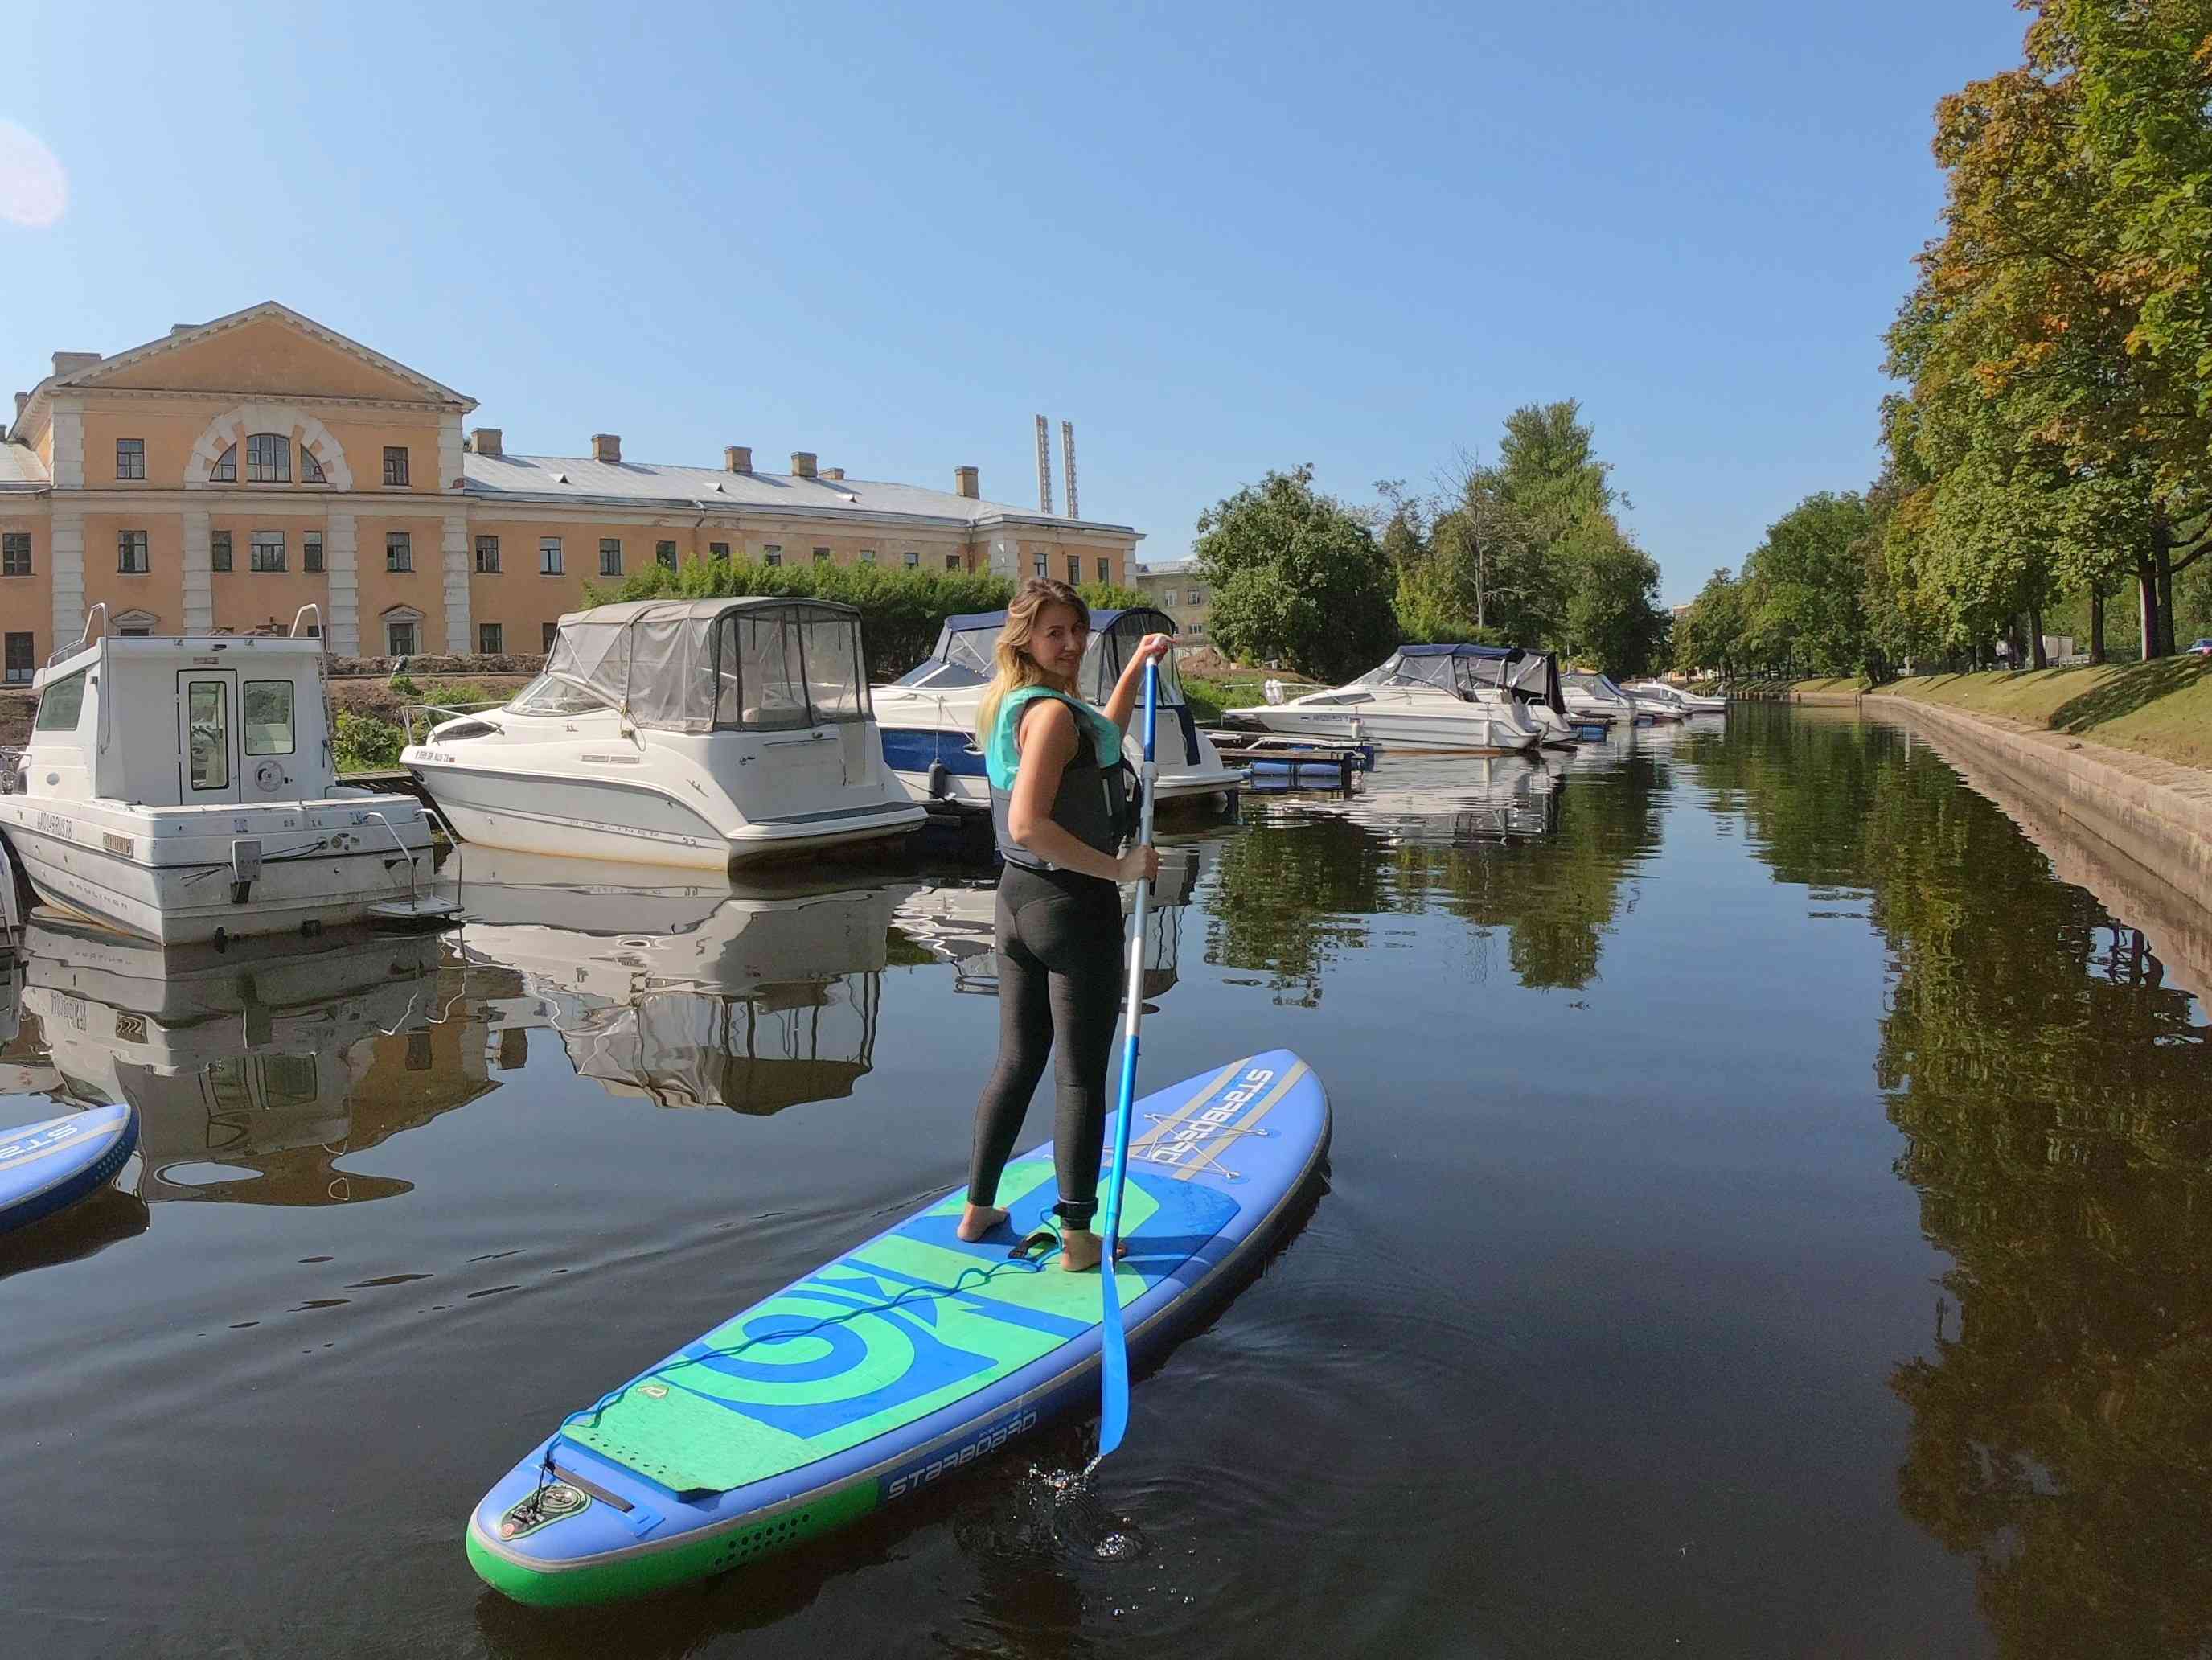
column 932, row 671
column 549, row 694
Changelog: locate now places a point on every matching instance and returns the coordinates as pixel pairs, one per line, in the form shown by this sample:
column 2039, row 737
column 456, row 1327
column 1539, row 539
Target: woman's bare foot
column 1080, row 1250
column 979, row 1220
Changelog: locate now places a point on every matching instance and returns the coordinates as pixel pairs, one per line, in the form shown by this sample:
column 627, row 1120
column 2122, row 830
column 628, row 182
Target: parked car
column 2200, row 648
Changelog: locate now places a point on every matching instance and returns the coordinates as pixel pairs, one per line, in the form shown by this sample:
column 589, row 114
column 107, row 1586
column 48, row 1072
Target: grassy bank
column 2161, row 708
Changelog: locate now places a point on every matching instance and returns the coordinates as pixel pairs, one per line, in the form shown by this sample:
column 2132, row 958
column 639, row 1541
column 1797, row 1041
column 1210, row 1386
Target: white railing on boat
column 436, row 714
column 99, row 610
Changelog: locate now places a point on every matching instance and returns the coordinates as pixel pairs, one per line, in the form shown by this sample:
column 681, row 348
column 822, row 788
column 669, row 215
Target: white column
column 199, row 592
column 344, row 569
column 66, row 547
column 69, row 445
column 454, row 544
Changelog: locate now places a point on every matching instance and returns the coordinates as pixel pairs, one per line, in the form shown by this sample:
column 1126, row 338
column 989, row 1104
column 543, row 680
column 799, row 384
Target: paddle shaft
column 1114, row 1348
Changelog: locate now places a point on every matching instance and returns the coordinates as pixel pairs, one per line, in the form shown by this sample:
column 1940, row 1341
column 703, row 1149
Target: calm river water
column 1769, row 1215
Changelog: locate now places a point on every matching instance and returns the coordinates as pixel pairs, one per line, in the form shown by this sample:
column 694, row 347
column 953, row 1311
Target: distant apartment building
column 226, row 474
column 1174, row 586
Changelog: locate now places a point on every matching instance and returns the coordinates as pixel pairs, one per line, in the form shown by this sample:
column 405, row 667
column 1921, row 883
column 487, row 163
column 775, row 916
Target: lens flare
column 34, row 190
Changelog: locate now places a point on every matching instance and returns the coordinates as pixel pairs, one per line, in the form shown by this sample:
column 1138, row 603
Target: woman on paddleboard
column 1060, row 807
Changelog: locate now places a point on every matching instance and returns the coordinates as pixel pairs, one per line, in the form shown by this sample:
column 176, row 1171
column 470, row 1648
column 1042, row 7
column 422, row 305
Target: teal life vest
column 1093, row 803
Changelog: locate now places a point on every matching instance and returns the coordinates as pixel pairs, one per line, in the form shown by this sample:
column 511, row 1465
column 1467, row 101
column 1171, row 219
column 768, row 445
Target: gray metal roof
column 534, row 478
column 19, row 469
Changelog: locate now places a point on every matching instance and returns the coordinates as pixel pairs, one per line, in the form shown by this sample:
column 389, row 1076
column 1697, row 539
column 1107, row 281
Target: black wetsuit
column 1059, row 940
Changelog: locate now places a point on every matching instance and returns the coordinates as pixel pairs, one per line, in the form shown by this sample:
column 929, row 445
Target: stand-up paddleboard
column 45, row 1166
column 908, row 1358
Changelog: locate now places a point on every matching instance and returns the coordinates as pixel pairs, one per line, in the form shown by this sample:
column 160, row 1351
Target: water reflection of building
column 957, row 924
column 254, row 1070
column 687, row 993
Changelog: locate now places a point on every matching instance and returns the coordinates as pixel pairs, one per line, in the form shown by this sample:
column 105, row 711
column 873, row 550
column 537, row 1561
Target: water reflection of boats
column 254, row 1070
column 690, row 993
column 956, row 924
column 1456, row 802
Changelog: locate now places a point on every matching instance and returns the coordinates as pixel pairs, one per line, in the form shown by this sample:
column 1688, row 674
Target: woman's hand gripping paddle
column 1114, row 1342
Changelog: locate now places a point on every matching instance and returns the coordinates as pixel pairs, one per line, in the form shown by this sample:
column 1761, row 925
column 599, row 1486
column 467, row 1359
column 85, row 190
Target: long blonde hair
column 1014, row 668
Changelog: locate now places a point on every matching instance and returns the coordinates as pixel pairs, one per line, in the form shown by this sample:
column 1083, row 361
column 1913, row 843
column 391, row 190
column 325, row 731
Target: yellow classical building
column 226, row 474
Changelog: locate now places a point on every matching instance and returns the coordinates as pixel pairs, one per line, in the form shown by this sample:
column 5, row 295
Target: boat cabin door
column 207, row 735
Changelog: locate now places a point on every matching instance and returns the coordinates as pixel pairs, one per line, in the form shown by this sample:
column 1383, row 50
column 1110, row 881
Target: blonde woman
column 1060, row 808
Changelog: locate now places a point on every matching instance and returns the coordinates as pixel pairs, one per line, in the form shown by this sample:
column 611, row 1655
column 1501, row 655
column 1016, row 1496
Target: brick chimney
column 802, row 464
column 488, row 440
column 69, row 362
column 606, row 446
column 963, row 481
column 738, row 457
column 834, row 472
column 182, row 328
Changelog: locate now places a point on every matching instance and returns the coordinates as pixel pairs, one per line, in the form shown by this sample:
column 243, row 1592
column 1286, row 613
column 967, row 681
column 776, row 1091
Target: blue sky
column 1217, row 239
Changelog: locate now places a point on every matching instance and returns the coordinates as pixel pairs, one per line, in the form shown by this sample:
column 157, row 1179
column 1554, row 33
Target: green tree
column 1710, row 636
column 1297, row 579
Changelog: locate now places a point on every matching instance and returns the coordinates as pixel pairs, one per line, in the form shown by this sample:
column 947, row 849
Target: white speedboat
column 222, row 820
column 1686, row 703
column 687, row 993
column 1424, row 697
column 1594, row 696
column 707, row 733
column 928, row 715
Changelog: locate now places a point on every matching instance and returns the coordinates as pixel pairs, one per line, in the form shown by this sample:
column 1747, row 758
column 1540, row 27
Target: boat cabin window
column 268, row 717
column 550, row 694
column 208, row 727
column 974, row 650
column 61, row 703
column 780, row 671
column 937, row 672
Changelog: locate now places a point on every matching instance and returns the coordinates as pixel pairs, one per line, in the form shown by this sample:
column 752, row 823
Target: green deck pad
column 886, row 1334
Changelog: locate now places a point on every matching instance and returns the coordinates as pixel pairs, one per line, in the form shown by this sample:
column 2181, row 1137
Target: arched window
column 226, row 468
column 269, row 459
column 311, row 470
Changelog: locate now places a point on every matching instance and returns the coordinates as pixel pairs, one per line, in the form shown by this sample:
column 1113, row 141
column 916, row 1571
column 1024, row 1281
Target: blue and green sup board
column 909, row 1358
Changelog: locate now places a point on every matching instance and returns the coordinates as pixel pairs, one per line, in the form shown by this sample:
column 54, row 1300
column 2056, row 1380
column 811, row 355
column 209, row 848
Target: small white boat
column 222, row 820
column 1686, row 703
column 1594, row 696
column 1423, row 697
column 707, row 733
column 928, row 715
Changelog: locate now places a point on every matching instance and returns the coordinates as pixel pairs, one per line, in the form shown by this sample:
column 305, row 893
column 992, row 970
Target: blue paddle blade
column 1114, row 1411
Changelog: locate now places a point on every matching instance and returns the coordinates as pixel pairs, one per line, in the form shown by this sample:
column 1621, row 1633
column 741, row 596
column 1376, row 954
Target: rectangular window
column 311, row 470
column 486, row 556
column 218, row 549
column 15, row 553
column 867, row 555
column 664, row 554
column 395, row 464
column 61, row 703
column 265, row 550
column 269, row 459
column 130, row 458
column 1039, row 563
column 952, row 561
column 1105, row 570
column 1075, row 570
column 131, row 552
column 548, row 633
column 207, row 726
column 718, row 551
column 311, row 548
column 398, row 551
column 1197, row 596
column 610, row 555
column 821, row 555
column 20, row 669
column 268, row 705
column 399, row 639
column 549, row 556
column 491, row 639
column 910, row 558
column 771, row 555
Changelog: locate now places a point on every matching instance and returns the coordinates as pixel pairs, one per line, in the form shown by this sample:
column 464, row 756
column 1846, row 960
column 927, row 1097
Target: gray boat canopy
column 756, row 664
column 965, row 654
column 1532, row 676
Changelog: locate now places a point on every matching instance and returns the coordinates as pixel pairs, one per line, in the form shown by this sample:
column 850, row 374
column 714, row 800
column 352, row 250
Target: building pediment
column 269, row 351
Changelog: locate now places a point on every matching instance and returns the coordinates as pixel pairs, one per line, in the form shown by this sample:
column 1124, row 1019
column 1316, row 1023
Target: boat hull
column 1472, row 734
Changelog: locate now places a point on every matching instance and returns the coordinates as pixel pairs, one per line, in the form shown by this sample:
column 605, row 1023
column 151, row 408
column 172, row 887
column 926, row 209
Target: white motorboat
column 928, row 715
column 1687, row 703
column 707, row 733
column 1594, row 696
column 223, row 820
column 687, row 993
column 1424, row 697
